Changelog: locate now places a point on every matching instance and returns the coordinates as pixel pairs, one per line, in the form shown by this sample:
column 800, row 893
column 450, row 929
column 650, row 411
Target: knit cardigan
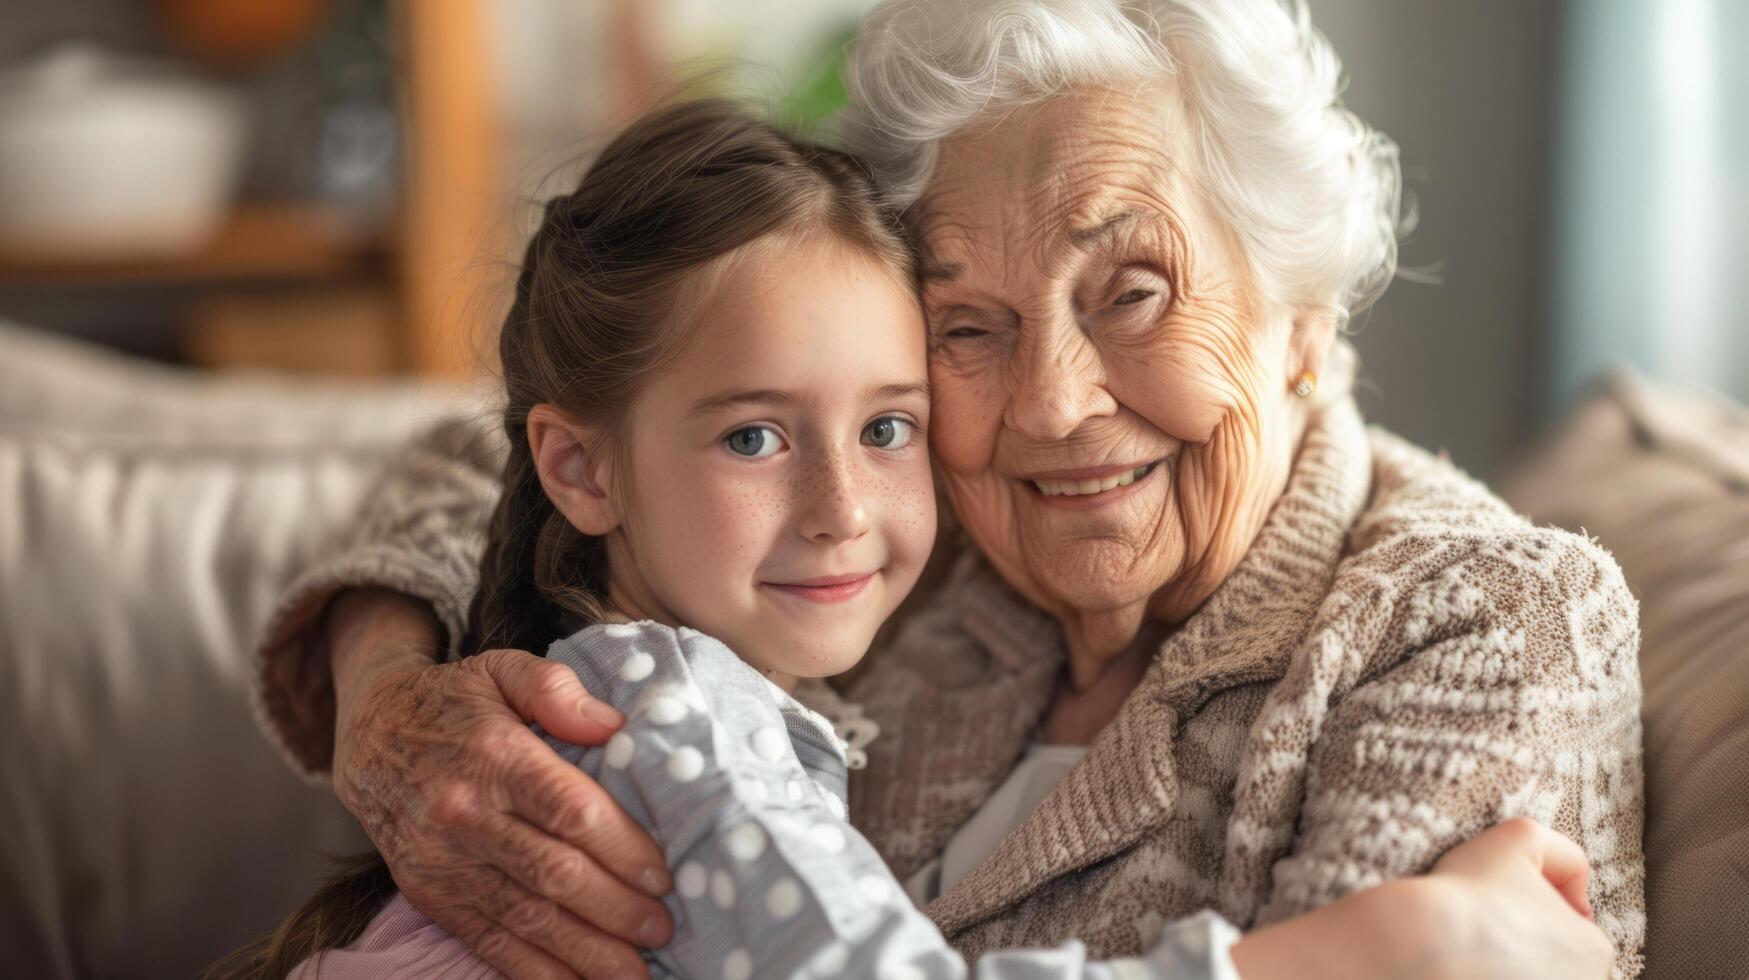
column 1398, row 662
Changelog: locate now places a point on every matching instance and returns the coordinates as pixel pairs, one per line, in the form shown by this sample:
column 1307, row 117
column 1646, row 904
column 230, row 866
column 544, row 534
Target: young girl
column 717, row 487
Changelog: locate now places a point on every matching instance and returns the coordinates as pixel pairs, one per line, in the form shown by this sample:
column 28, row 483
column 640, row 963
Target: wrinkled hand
column 485, row 828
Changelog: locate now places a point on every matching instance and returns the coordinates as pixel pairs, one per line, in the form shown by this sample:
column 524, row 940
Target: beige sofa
column 148, row 517
column 1661, row 477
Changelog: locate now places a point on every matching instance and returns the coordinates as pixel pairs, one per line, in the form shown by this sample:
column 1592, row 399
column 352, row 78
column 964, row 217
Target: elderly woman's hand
column 485, row 828
column 1509, row 903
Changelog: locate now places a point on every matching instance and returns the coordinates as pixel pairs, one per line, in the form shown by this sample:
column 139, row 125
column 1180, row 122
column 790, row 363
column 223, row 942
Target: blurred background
column 249, row 247
column 340, row 187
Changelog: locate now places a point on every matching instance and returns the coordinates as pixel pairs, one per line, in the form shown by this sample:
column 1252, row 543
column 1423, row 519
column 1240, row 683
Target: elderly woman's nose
column 1054, row 387
column 833, row 501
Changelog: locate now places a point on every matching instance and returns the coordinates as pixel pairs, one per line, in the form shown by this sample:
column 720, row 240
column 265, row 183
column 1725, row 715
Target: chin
column 1097, row 576
column 816, row 649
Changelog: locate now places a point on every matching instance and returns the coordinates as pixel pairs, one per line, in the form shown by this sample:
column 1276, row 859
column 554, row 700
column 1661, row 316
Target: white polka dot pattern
column 685, row 764
column 770, row 744
column 784, row 899
column 637, row 667
column 618, row 753
column 874, row 888
column 722, row 889
column 746, row 842
column 768, row 825
column 827, row 837
column 665, row 710
column 690, row 880
column 829, row 962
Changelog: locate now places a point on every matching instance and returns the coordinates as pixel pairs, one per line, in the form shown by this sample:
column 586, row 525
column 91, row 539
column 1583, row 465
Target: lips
column 825, row 588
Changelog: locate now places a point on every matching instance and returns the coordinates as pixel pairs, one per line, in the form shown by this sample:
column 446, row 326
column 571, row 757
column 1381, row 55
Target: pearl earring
column 1307, row 384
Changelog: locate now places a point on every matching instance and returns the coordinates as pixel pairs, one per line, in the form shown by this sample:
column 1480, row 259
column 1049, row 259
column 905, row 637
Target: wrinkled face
column 1112, row 390
column 779, row 494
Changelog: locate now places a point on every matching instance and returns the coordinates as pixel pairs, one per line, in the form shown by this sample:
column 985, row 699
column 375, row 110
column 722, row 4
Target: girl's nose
column 833, row 506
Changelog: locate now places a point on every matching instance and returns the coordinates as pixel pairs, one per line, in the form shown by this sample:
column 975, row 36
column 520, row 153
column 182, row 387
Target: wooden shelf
column 409, row 300
column 257, row 243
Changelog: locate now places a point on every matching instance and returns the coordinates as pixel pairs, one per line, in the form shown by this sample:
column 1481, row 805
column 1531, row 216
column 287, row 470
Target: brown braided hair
column 601, row 306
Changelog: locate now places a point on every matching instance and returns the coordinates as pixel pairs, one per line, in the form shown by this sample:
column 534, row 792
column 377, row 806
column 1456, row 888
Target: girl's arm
column 770, row 879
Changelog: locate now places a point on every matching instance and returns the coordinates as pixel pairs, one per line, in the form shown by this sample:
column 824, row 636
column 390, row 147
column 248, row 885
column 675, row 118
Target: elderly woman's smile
column 1085, row 489
column 1114, row 373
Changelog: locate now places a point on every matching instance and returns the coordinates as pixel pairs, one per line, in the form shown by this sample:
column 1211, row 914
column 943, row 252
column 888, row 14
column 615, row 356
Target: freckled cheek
column 903, row 495
column 723, row 523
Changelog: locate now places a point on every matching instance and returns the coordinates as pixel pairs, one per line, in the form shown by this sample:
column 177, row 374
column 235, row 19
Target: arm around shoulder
column 418, row 538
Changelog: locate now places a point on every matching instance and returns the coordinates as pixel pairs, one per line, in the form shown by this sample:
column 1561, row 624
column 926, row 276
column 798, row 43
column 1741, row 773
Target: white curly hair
column 1313, row 192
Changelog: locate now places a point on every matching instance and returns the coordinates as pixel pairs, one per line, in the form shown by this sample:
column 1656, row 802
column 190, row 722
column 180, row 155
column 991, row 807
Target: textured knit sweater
column 1398, row 662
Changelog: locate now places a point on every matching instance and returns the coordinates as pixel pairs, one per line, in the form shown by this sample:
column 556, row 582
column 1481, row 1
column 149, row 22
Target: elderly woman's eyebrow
column 934, row 270
column 1091, row 234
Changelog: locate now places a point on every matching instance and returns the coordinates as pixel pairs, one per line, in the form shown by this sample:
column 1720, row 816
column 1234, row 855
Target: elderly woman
column 1202, row 640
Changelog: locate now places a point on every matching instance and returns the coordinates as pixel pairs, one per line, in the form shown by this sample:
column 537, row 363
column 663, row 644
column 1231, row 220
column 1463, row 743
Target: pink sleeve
column 400, row 942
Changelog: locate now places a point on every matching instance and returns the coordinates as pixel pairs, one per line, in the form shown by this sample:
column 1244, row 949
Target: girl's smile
column 826, row 589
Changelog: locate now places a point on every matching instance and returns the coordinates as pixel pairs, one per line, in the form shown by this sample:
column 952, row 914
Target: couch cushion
column 1661, row 477
column 148, row 520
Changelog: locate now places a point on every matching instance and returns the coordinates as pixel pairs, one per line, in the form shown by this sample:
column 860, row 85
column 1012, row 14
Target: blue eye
column 754, row 442
column 887, row 432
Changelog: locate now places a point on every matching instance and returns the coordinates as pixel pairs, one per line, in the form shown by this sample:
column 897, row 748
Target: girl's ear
column 575, row 469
